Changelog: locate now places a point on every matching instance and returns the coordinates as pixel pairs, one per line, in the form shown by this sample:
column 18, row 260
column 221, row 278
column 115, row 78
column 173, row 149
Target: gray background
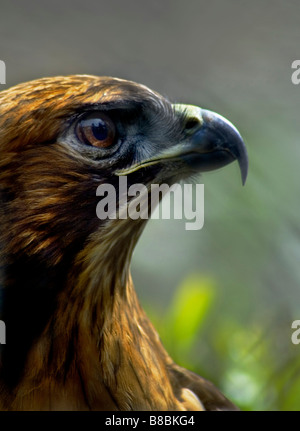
column 233, row 57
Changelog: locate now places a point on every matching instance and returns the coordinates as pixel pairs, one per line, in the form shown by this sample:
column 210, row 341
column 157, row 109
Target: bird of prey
column 77, row 337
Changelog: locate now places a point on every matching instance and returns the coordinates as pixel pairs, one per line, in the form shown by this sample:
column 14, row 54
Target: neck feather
column 99, row 350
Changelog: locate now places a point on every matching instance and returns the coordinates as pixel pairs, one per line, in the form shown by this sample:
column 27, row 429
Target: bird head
column 62, row 137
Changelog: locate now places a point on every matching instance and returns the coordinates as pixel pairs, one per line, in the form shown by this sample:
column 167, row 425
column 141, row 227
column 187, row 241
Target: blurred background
column 222, row 298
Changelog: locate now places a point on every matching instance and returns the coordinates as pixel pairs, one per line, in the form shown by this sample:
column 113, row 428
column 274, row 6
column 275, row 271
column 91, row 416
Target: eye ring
column 97, row 130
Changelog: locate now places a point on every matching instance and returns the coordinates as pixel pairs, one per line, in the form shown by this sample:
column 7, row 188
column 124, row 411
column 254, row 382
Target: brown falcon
column 77, row 337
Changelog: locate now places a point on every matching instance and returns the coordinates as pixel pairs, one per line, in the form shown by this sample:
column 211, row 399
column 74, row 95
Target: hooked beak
column 210, row 142
column 215, row 143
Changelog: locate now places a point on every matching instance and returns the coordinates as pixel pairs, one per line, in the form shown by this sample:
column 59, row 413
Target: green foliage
column 244, row 362
column 187, row 313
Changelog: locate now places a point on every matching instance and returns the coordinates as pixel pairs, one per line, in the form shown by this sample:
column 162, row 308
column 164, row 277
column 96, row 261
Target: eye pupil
column 99, row 130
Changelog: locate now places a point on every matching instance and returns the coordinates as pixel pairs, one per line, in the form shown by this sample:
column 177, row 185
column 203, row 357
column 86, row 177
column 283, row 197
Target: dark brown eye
column 97, row 130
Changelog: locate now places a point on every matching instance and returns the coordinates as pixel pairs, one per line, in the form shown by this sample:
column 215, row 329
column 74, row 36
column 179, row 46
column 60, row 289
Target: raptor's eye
column 97, row 130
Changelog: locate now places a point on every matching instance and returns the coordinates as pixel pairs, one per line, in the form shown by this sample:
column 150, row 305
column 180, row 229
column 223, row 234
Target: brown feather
column 77, row 337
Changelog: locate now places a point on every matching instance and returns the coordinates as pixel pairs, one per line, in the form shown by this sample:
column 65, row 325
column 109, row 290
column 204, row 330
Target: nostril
column 192, row 123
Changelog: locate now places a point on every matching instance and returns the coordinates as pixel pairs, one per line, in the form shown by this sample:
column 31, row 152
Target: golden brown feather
column 77, row 338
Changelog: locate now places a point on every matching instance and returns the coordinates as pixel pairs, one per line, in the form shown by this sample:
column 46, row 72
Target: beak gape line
column 138, row 202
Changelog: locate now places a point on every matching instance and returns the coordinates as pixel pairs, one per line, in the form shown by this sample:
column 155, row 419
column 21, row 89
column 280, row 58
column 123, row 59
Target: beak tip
column 244, row 171
column 243, row 162
column 230, row 137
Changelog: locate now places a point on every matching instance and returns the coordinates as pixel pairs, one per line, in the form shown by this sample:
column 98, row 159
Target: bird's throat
column 98, row 351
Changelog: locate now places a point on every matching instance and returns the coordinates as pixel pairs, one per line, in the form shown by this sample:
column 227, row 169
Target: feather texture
column 77, row 337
